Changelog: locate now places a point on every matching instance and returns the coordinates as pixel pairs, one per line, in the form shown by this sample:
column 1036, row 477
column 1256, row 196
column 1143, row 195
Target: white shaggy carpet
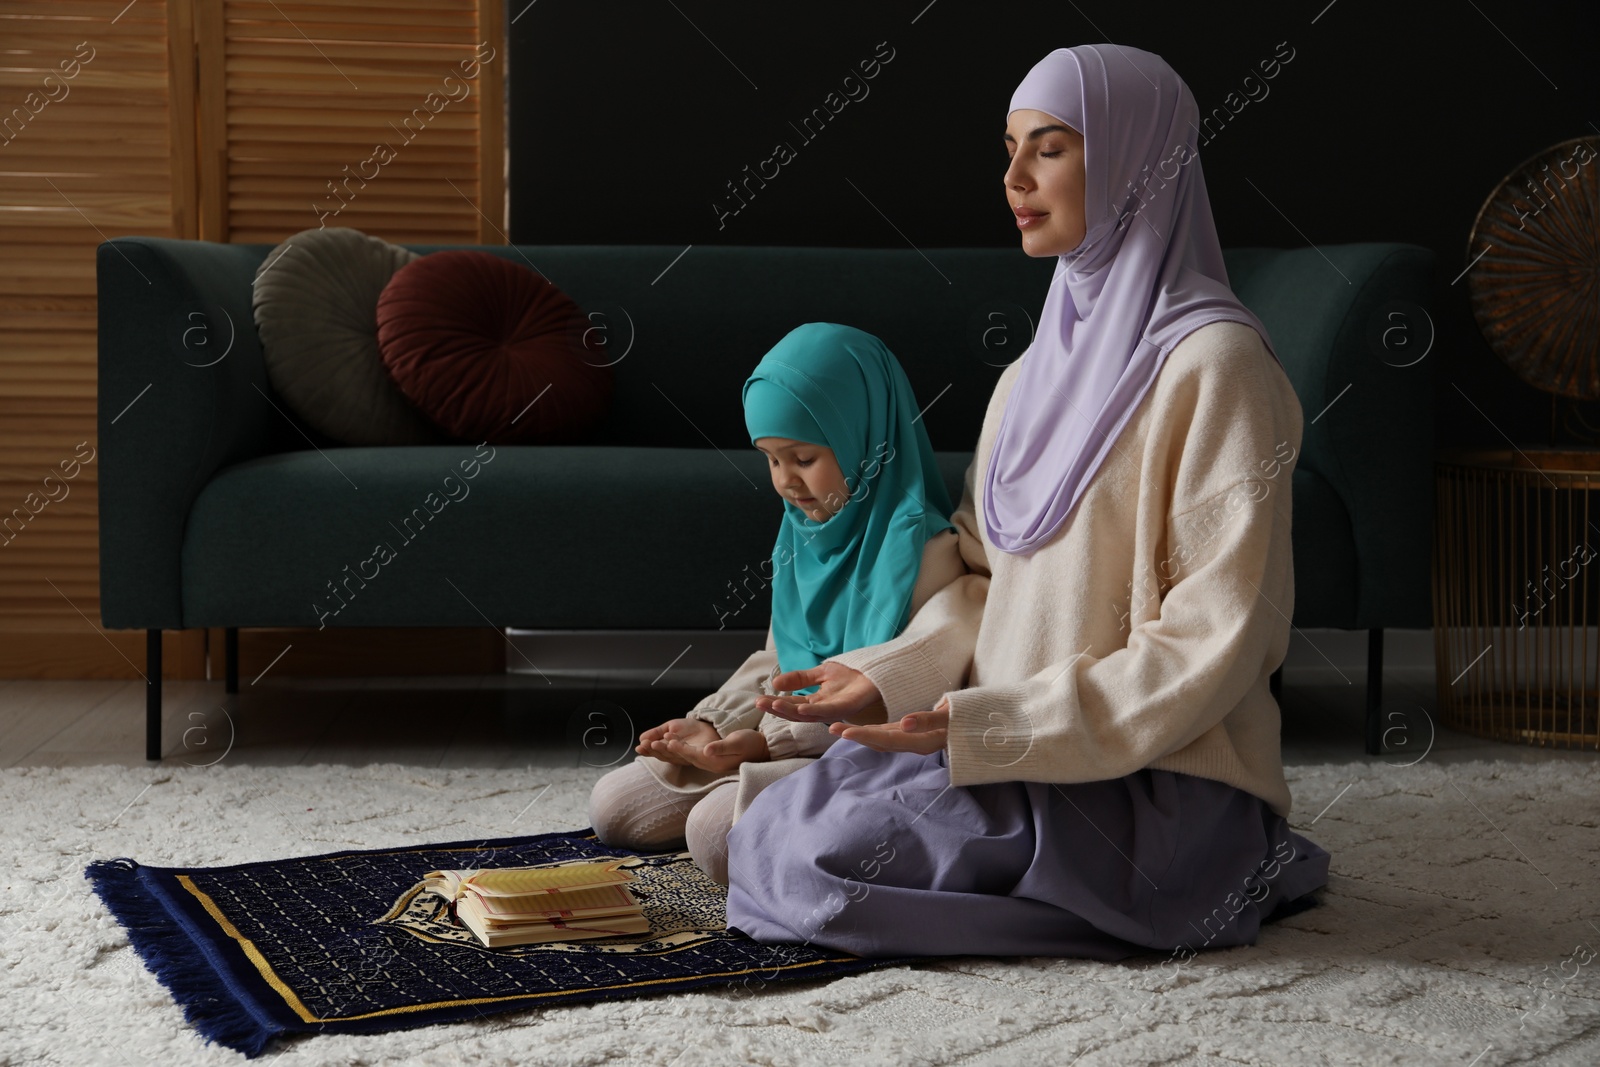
column 1459, row 927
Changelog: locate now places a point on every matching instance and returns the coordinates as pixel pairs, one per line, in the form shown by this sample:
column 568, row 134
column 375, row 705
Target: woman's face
column 1044, row 182
column 806, row 475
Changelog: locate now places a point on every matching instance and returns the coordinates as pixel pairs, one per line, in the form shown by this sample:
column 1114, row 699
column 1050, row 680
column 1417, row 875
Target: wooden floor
column 455, row 721
column 513, row 721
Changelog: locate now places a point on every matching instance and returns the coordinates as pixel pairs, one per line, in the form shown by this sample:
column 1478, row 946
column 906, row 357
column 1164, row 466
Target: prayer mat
column 346, row 942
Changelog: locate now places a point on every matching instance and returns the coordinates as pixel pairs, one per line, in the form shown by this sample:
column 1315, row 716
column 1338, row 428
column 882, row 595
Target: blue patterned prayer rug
column 344, row 942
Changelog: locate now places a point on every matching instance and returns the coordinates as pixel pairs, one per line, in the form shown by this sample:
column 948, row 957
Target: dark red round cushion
column 490, row 350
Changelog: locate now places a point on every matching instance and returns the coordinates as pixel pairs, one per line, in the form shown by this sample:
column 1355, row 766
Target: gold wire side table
column 1516, row 594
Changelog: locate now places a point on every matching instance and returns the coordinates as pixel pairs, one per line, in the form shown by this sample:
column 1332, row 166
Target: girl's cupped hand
column 842, row 692
column 693, row 743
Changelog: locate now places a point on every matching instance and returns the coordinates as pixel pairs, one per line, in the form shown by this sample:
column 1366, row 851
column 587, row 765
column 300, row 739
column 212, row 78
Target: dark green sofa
column 218, row 510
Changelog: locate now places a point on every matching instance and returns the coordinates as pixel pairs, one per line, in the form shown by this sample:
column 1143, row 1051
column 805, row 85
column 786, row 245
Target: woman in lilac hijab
column 1081, row 750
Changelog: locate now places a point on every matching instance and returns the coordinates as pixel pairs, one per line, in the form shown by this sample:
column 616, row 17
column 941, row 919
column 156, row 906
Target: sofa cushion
column 315, row 300
column 491, row 351
column 498, row 523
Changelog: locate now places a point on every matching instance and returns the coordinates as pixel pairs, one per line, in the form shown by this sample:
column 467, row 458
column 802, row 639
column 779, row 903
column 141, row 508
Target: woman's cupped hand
column 843, row 693
column 923, row 732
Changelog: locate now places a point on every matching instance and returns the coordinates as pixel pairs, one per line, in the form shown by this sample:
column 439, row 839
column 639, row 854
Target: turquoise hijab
column 846, row 583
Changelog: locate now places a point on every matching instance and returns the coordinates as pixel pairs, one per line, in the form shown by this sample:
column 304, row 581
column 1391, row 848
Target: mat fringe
column 175, row 960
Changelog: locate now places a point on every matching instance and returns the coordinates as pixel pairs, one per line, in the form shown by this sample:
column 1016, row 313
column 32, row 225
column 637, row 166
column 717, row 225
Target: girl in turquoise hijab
column 862, row 545
column 843, row 582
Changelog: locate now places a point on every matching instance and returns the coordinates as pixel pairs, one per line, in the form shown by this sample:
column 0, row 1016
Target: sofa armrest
column 179, row 372
column 1368, row 408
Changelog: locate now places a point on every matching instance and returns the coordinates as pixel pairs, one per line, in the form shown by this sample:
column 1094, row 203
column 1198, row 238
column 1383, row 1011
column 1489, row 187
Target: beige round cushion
column 316, row 308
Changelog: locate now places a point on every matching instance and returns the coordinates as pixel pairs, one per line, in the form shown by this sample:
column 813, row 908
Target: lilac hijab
column 1148, row 273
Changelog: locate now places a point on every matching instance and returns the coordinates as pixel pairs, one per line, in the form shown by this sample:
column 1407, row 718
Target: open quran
column 557, row 902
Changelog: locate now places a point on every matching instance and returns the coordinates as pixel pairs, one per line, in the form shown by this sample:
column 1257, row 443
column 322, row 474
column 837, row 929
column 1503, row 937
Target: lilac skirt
column 877, row 854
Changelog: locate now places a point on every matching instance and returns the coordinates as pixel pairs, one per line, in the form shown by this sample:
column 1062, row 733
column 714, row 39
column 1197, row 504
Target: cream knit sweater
column 1143, row 634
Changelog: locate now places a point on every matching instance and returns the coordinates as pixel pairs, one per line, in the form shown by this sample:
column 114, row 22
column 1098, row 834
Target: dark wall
column 1386, row 122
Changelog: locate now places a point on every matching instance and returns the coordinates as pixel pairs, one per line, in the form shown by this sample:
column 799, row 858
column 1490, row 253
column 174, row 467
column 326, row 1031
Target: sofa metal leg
column 152, row 695
column 1374, row 691
column 230, row 659
column 1275, row 682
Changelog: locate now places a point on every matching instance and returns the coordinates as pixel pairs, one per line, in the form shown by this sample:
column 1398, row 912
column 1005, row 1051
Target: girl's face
column 1045, row 182
column 806, row 475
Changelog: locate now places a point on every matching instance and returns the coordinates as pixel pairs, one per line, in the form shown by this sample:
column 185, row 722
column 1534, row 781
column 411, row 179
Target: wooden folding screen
column 384, row 115
column 85, row 154
column 226, row 120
